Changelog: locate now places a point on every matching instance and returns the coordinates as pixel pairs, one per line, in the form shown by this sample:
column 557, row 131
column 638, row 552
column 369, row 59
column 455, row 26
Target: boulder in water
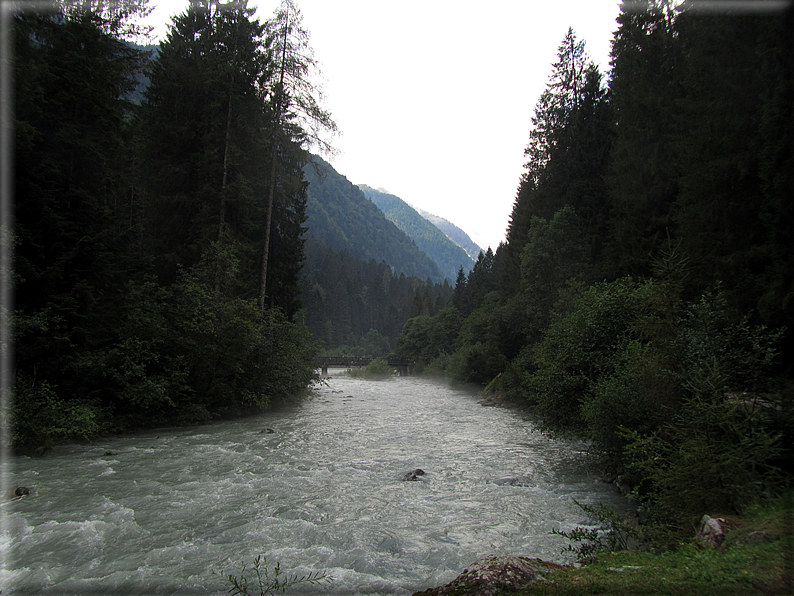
column 413, row 475
column 110, row 452
column 16, row 492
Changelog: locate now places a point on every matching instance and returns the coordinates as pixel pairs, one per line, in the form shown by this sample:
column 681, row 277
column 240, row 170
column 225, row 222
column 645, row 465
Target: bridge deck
column 326, row 362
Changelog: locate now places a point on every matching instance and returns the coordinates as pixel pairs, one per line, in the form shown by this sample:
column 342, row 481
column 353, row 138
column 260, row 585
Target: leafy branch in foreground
column 272, row 580
column 612, row 533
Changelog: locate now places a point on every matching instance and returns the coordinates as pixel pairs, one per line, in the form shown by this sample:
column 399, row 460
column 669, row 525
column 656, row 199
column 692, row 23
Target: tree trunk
column 272, row 183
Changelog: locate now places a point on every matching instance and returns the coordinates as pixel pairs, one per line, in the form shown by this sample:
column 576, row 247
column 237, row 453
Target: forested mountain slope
column 454, row 233
column 363, row 277
column 445, row 253
column 340, row 217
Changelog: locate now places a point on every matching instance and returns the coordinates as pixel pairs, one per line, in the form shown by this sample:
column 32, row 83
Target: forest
column 159, row 232
column 181, row 251
column 644, row 296
column 362, row 277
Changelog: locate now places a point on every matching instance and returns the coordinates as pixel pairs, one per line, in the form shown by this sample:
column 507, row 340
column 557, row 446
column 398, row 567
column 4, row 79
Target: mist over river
column 322, row 492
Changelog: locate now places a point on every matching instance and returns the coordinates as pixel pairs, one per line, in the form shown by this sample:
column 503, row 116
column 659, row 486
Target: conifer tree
column 645, row 89
column 549, row 135
column 298, row 120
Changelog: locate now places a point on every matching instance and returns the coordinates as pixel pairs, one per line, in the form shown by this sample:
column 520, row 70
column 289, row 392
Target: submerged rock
column 413, row 475
column 15, row 492
column 493, row 575
column 513, row 481
column 110, row 452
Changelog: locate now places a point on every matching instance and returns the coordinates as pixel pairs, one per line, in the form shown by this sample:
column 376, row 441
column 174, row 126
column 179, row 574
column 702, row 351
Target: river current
column 317, row 487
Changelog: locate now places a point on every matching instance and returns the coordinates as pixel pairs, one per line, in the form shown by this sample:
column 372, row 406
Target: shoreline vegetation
column 642, row 300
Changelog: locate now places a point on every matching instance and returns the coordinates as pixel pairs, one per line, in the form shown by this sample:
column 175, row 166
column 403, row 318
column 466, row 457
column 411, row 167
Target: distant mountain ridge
column 454, row 233
column 339, row 216
column 447, row 254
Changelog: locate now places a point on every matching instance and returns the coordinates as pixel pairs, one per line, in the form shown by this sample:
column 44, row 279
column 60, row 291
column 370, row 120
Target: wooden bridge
column 326, row 362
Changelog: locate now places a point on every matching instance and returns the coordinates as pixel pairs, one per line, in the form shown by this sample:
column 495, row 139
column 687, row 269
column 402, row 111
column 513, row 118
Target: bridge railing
column 326, row 362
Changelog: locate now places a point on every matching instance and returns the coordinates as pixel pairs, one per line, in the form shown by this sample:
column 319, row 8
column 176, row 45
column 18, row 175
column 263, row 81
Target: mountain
column 454, row 233
column 429, row 238
column 339, row 216
column 363, row 277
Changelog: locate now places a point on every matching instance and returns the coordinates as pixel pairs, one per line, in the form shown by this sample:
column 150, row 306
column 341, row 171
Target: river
column 317, row 487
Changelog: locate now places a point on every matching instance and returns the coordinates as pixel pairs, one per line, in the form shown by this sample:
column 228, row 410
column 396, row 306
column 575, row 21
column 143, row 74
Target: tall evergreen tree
column 645, row 88
column 72, row 83
column 719, row 208
column 551, row 127
column 203, row 126
column 298, row 119
column 560, row 99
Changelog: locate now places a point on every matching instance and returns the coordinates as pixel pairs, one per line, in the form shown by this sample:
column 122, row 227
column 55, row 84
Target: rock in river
column 413, row 475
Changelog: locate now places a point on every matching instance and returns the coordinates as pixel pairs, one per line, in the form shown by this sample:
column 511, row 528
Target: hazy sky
column 434, row 98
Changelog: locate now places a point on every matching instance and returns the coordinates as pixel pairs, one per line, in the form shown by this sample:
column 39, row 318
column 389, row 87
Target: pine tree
column 645, row 88
column 203, row 140
column 556, row 104
column 542, row 192
column 718, row 211
column 72, row 80
column 297, row 122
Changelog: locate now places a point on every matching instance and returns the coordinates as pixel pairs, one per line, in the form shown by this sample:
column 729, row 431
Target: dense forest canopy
column 644, row 296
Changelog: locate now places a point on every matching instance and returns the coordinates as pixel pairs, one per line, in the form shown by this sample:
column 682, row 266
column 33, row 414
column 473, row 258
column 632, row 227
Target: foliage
column 378, row 369
column 345, row 298
column 577, row 349
column 375, row 344
column 424, row 339
column 138, row 228
column 554, row 256
column 712, row 456
column 612, row 534
column 42, row 419
column 475, row 363
column 271, row 580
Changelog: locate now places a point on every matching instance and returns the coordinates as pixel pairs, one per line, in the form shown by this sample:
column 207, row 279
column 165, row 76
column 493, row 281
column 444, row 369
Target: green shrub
column 270, row 581
column 579, row 349
column 714, row 450
column 42, row 418
column 478, row 363
column 377, row 369
column 639, row 394
column 611, row 534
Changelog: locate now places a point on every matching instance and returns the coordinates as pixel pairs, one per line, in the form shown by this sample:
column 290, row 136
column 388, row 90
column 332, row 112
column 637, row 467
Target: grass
column 764, row 568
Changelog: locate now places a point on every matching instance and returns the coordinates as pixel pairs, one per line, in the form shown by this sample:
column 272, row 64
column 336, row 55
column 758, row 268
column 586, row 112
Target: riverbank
column 755, row 557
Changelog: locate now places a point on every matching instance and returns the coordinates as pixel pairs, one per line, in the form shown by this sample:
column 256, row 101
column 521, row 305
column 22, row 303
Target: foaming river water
column 322, row 492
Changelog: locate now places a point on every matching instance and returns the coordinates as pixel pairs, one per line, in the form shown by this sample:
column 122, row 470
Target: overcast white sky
column 434, row 98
